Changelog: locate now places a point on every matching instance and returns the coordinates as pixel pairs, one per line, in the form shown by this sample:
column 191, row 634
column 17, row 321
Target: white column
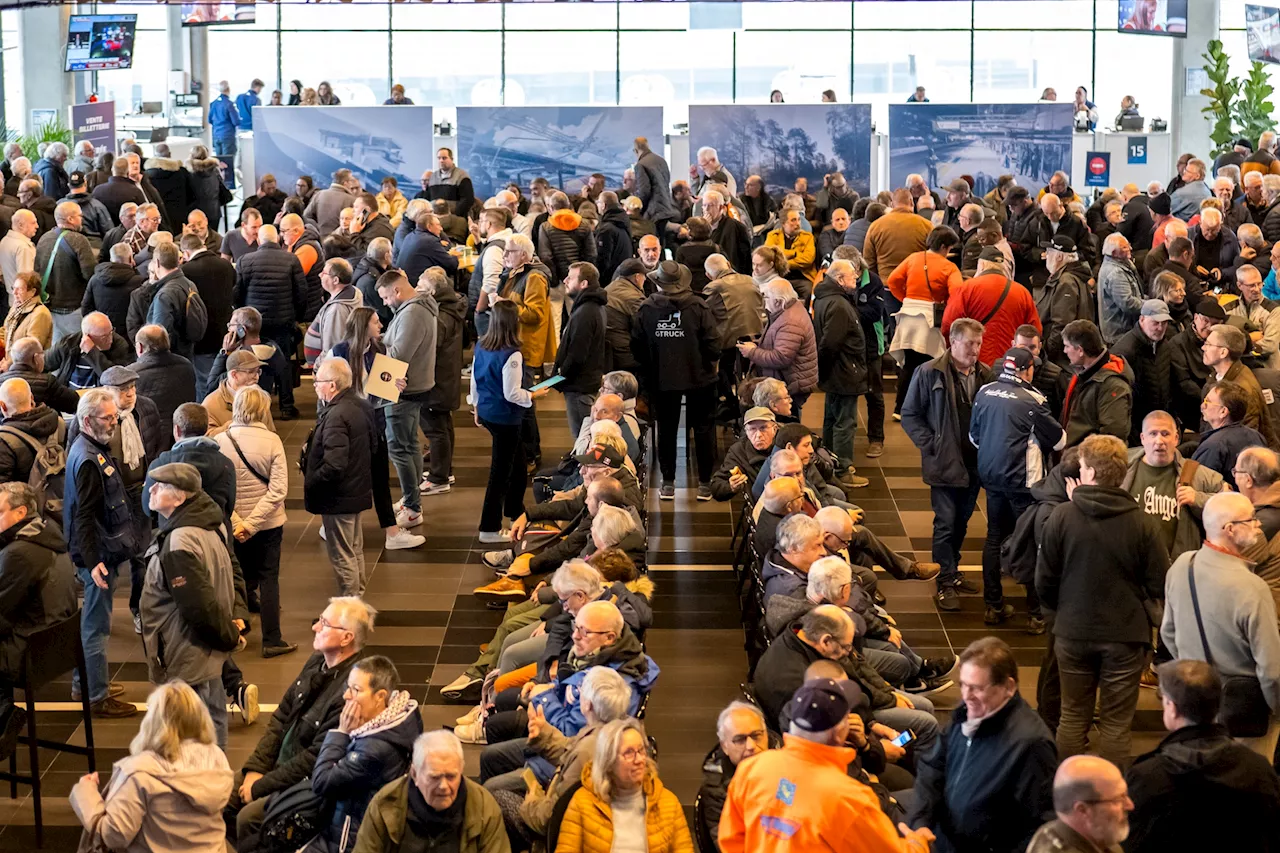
column 1189, row 126
column 44, row 84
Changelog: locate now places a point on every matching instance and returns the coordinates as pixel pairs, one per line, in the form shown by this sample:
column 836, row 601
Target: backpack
column 197, row 316
column 48, row 475
column 293, row 817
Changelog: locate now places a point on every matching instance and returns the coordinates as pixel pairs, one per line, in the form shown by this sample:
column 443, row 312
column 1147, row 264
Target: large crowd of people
column 1107, row 375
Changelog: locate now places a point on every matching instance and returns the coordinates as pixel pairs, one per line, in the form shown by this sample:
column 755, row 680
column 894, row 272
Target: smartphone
column 747, row 339
column 903, row 739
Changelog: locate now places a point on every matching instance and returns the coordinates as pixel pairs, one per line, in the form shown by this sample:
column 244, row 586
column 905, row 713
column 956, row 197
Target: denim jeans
column 405, row 449
column 1004, row 508
column 913, row 660
column 952, row 508
column 839, row 422
column 344, row 540
column 437, row 426
column 504, row 757
column 1108, row 675
column 214, row 697
column 893, row 667
column 919, row 719
column 95, row 630
column 224, row 146
column 203, row 364
column 577, row 407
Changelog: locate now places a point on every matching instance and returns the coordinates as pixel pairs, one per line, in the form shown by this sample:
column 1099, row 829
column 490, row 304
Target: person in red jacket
column 996, row 301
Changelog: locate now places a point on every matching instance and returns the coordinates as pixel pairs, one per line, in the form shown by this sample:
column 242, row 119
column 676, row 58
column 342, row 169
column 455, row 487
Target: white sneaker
column 471, row 733
column 406, row 517
column 452, row 480
column 429, row 488
column 322, row 532
column 494, row 537
column 398, row 505
column 402, row 539
column 470, row 717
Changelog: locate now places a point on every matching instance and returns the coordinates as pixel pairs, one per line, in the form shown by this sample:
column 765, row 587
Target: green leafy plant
column 1252, row 110
column 1222, row 95
column 54, row 130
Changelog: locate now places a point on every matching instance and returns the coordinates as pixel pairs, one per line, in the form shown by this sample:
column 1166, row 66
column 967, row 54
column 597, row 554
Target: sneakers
column 428, row 488
column 897, row 416
column 502, row 591
column 668, row 492
column 406, row 517
column 137, row 623
column 464, row 688
column 1149, row 677
column 469, row 717
column 966, row 586
column 452, row 479
column 704, row 493
column 494, row 537
column 997, row 615
column 322, row 536
column 114, row 689
column 875, row 449
column 277, row 651
column 247, row 698
column 498, row 559
column 924, row 571
column 112, row 708
column 289, row 414
column 922, row 686
column 471, row 733
column 850, row 480
column 937, row 667
column 948, row 599
column 402, row 539
column 1035, row 626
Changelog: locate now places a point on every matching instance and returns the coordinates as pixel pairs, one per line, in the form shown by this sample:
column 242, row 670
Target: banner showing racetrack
column 373, row 142
column 941, row 142
column 782, row 142
column 501, row 145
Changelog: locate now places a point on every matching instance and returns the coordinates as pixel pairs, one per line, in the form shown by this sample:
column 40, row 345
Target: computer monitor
column 1130, row 123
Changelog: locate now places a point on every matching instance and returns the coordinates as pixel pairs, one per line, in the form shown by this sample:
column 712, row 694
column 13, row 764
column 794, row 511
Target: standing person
column 1223, row 348
column 1120, row 291
column 490, row 256
column 224, row 120
column 873, row 314
column 737, row 306
column 257, row 522
column 176, row 305
column 188, row 601
column 581, row 355
column 411, row 338
column 730, row 234
column 337, row 480
column 66, row 260
column 17, row 251
column 271, row 280
column 165, row 378
column 653, row 186
column 324, row 210
column 675, row 341
column 897, row 235
column 1225, row 437
column 1099, row 395
column 623, row 296
column 842, row 363
column 330, row 323
column 1064, row 297
column 497, row 377
column 102, row 537
column 246, row 101
column 1101, row 561
column 788, row 349
column 439, row 404
column 920, row 291
column 1218, row 611
column 28, row 317
column 215, row 281
column 451, row 183
column 1015, row 435
column 937, row 417
column 996, row 301
column 1092, row 802
column 563, row 241
column 1147, row 352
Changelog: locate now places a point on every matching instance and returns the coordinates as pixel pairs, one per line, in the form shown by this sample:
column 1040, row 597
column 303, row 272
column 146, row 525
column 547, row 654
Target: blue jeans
column 839, row 422
column 578, row 408
column 919, row 719
column 910, row 661
column 1003, row 511
column 224, row 147
column 952, row 508
column 203, row 364
column 95, row 630
column 405, row 448
column 214, row 696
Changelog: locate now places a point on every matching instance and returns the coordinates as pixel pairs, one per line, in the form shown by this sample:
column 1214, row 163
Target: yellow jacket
column 528, row 290
column 588, row 822
column 393, row 208
column 802, row 254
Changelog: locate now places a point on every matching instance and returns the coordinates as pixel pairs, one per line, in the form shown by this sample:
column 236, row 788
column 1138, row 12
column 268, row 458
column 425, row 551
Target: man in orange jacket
column 800, row 797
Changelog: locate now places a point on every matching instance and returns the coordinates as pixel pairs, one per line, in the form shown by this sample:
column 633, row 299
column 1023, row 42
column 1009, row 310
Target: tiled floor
column 430, row 625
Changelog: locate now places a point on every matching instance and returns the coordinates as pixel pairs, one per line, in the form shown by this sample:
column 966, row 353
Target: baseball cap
column 76, row 180
column 959, row 185
column 1016, row 360
column 1156, row 309
column 630, row 267
column 759, row 413
column 600, row 454
column 1062, row 243
column 242, row 359
column 819, row 705
column 1209, row 307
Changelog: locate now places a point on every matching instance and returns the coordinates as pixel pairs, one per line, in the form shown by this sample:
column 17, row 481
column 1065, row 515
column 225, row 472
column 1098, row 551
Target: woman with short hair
column 169, row 792
column 28, row 315
column 788, row 350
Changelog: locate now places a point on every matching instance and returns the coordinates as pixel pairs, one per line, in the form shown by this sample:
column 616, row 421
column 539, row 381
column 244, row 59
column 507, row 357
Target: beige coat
column 259, row 505
column 29, row 320
column 158, row 806
column 218, row 405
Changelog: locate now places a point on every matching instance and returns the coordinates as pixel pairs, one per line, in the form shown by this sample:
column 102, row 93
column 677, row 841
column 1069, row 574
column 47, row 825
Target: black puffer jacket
column 45, row 388
column 315, row 291
column 37, row 586
column 339, row 475
column 61, row 359
column 116, row 192
column 450, row 317
column 842, row 349
column 675, row 341
column 208, row 192
column 109, row 289
column 365, row 278
column 169, row 380
column 582, row 354
column 564, row 240
column 1152, row 388
column 271, row 280
column 172, row 180
column 16, row 456
column 613, row 242
column 377, row 226
column 215, row 279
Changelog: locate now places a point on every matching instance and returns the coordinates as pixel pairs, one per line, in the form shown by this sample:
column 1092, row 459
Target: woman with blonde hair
column 309, row 98
column 168, row 794
column 622, row 798
column 262, row 483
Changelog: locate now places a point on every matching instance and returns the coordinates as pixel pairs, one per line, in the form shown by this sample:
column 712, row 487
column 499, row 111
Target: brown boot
column 111, row 707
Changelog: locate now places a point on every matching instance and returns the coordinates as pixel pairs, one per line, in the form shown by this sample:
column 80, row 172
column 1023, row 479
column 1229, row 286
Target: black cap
column 1161, row 204
column 630, row 267
column 1243, row 143
column 76, row 180
column 600, row 454
column 991, row 253
column 1016, row 360
column 1209, row 307
column 1063, row 243
column 819, row 705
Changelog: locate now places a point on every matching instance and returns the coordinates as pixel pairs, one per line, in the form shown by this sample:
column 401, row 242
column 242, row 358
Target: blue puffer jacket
column 561, row 703
column 351, row 768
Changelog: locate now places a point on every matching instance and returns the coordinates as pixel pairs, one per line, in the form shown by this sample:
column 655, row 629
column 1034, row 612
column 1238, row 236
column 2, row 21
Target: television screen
column 1262, row 29
column 200, row 14
column 1154, row 17
column 100, row 42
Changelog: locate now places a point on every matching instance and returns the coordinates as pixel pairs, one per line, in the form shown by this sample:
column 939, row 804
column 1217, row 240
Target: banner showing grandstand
column 502, row 145
column 941, row 142
column 782, row 142
column 373, row 142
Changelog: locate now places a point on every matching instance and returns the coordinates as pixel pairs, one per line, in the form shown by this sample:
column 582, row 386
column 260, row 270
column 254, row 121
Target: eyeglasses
column 106, row 419
column 634, row 754
column 578, row 630
column 844, row 543
column 757, row 736
column 325, row 623
column 1253, row 519
column 325, row 382
column 1122, row 798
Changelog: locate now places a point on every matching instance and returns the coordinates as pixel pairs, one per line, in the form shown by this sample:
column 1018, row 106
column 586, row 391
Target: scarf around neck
column 130, row 439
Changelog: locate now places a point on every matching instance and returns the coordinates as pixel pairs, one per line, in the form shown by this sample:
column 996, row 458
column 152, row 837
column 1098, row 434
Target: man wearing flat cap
column 1187, row 371
column 243, row 370
column 1147, row 351
column 803, row 792
column 996, row 301
column 188, row 600
column 1065, row 297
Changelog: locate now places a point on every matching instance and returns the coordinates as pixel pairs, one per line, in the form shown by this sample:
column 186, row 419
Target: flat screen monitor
column 1262, row 30
column 100, row 42
column 1154, row 17
column 203, row 14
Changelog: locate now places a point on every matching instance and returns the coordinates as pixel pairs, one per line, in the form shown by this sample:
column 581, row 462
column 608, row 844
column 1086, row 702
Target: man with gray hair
column 1092, row 802
column 224, row 120
column 425, row 247
column 1120, row 290
column 1185, row 201
column 49, row 169
column 330, row 325
column 102, row 537
column 188, row 597
column 1257, row 476
column 709, row 170
column 1217, row 610
column 741, row 733
column 731, row 235
column 66, row 259
column 79, row 360
column 17, row 251
column 369, row 268
column 325, row 208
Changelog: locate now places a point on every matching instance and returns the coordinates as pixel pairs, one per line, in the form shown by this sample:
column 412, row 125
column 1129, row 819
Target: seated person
column 25, row 358
column 624, row 384
column 742, row 733
column 528, row 796
column 244, row 332
column 620, row 790
column 742, row 462
column 782, row 497
column 786, row 463
column 773, row 395
column 867, row 549
column 286, row 753
column 799, row 438
column 553, row 484
column 610, row 407
column 785, row 569
column 542, row 552
column 369, row 748
column 417, row 811
column 78, row 360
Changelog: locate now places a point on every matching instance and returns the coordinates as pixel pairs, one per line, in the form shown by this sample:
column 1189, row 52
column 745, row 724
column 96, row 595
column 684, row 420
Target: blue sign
column 1097, row 169
column 1137, row 150
column 95, row 122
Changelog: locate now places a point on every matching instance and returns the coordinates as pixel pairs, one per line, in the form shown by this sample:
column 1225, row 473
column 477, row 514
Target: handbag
column 939, row 308
column 266, row 481
column 293, row 817
column 1245, row 711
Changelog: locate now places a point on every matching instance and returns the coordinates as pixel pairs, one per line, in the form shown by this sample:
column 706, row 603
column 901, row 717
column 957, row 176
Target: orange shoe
column 502, row 591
